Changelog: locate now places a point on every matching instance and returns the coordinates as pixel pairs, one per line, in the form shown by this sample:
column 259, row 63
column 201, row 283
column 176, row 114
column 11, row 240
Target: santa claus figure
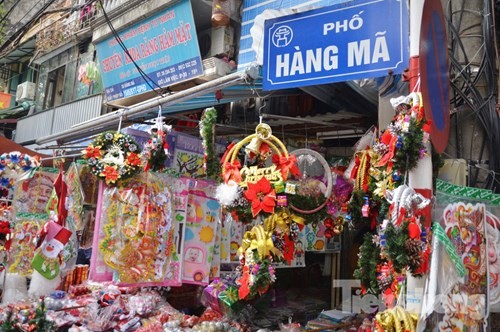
column 46, row 263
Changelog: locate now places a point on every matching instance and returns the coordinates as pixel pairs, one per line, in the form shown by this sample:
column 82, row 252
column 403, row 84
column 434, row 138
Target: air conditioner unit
column 216, row 41
column 213, row 68
column 25, row 91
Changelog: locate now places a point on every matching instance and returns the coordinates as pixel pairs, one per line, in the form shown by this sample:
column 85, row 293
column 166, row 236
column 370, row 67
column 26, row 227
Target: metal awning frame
column 113, row 119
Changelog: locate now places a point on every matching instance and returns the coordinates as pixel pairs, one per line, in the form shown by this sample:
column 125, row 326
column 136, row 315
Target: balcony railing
column 58, row 30
column 58, row 119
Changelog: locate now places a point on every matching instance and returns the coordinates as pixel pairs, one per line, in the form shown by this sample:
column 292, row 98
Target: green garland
column 395, row 249
column 207, row 128
column 309, row 203
column 408, row 155
column 355, row 205
column 369, row 259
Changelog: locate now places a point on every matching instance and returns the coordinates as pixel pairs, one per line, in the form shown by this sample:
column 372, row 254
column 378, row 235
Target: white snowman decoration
column 46, row 262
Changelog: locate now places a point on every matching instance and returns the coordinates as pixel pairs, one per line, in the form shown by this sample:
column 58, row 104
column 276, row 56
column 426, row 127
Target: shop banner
column 164, row 46
column 337, row 43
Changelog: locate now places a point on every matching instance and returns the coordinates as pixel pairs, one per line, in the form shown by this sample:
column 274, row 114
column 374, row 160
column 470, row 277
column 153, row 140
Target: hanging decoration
column 113, row 156
column 47, row 260
column 137, row 218
column 207, row 133
column 254, row 189
column 12, row 165
column 395, row 319
column 155, row 151
column 314, row 187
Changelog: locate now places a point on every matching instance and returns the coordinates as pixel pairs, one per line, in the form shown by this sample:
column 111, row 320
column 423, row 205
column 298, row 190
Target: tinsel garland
column 207, row 128
column 368, row 260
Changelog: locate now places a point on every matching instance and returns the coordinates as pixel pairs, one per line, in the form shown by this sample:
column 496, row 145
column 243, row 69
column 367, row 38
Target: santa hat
column 54, row 231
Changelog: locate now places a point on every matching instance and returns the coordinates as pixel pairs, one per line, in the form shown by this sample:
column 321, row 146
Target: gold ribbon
column 282, row 219
column 259, row 239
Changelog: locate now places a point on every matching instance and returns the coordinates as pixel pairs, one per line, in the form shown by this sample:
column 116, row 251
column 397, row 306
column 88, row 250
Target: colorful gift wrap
column 279, row 187
column 210, row 296
column 229, row 300
column 135, row 230
column 291, row 188
column 281, row 200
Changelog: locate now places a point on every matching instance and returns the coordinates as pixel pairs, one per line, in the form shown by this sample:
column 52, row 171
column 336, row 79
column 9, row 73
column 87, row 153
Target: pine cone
column 414, row 251
column 385, row 282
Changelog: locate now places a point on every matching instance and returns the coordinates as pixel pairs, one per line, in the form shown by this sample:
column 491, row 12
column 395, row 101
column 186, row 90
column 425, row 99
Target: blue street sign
column 354, row 40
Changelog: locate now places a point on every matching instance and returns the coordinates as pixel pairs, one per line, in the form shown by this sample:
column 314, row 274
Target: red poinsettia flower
column 286, row 165
column 110, row 173
column 388, row 139
column 92, row 152
column 262, row 196
column 133, row 159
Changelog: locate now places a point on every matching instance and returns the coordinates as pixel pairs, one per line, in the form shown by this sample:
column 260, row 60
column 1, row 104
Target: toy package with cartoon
column 181, row 191
column 33, row 191
column 493, row 234
column 203, row 216
column 456, row 294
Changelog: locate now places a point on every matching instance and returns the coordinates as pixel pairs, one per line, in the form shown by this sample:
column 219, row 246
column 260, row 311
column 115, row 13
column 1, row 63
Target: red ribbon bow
column 286, row 165
column 232, row 171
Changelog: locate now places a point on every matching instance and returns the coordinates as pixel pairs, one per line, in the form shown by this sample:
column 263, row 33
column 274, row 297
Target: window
column 54, row 88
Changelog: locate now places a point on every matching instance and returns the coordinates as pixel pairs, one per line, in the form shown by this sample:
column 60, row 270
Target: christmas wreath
column 12, row 165
column 113, row 156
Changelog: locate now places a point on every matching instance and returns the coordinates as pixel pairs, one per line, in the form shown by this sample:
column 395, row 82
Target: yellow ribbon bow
column 282, row 219
column 259, row 239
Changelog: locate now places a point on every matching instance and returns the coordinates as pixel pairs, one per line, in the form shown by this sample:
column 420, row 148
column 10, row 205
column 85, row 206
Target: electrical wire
column 3, row 20
column 26, row 26
column 464, row 81
column 144, row 75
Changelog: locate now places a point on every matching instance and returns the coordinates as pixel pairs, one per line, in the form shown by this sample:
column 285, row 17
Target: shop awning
column 234, row 87
column 7, row 146
column 9, row 114
column 19, row 52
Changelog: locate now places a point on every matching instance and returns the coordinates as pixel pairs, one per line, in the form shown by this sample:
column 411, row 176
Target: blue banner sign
column 353, row 40
column 164, row 46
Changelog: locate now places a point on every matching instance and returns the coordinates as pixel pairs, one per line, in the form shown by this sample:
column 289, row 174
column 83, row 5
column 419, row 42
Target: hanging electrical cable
column 25, row 27
column 149, row 81
column 3, row 20
column 472, row 80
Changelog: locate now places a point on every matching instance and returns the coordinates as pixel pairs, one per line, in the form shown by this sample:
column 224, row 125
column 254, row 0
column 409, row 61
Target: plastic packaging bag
column 136, row 233
column 456, row 294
